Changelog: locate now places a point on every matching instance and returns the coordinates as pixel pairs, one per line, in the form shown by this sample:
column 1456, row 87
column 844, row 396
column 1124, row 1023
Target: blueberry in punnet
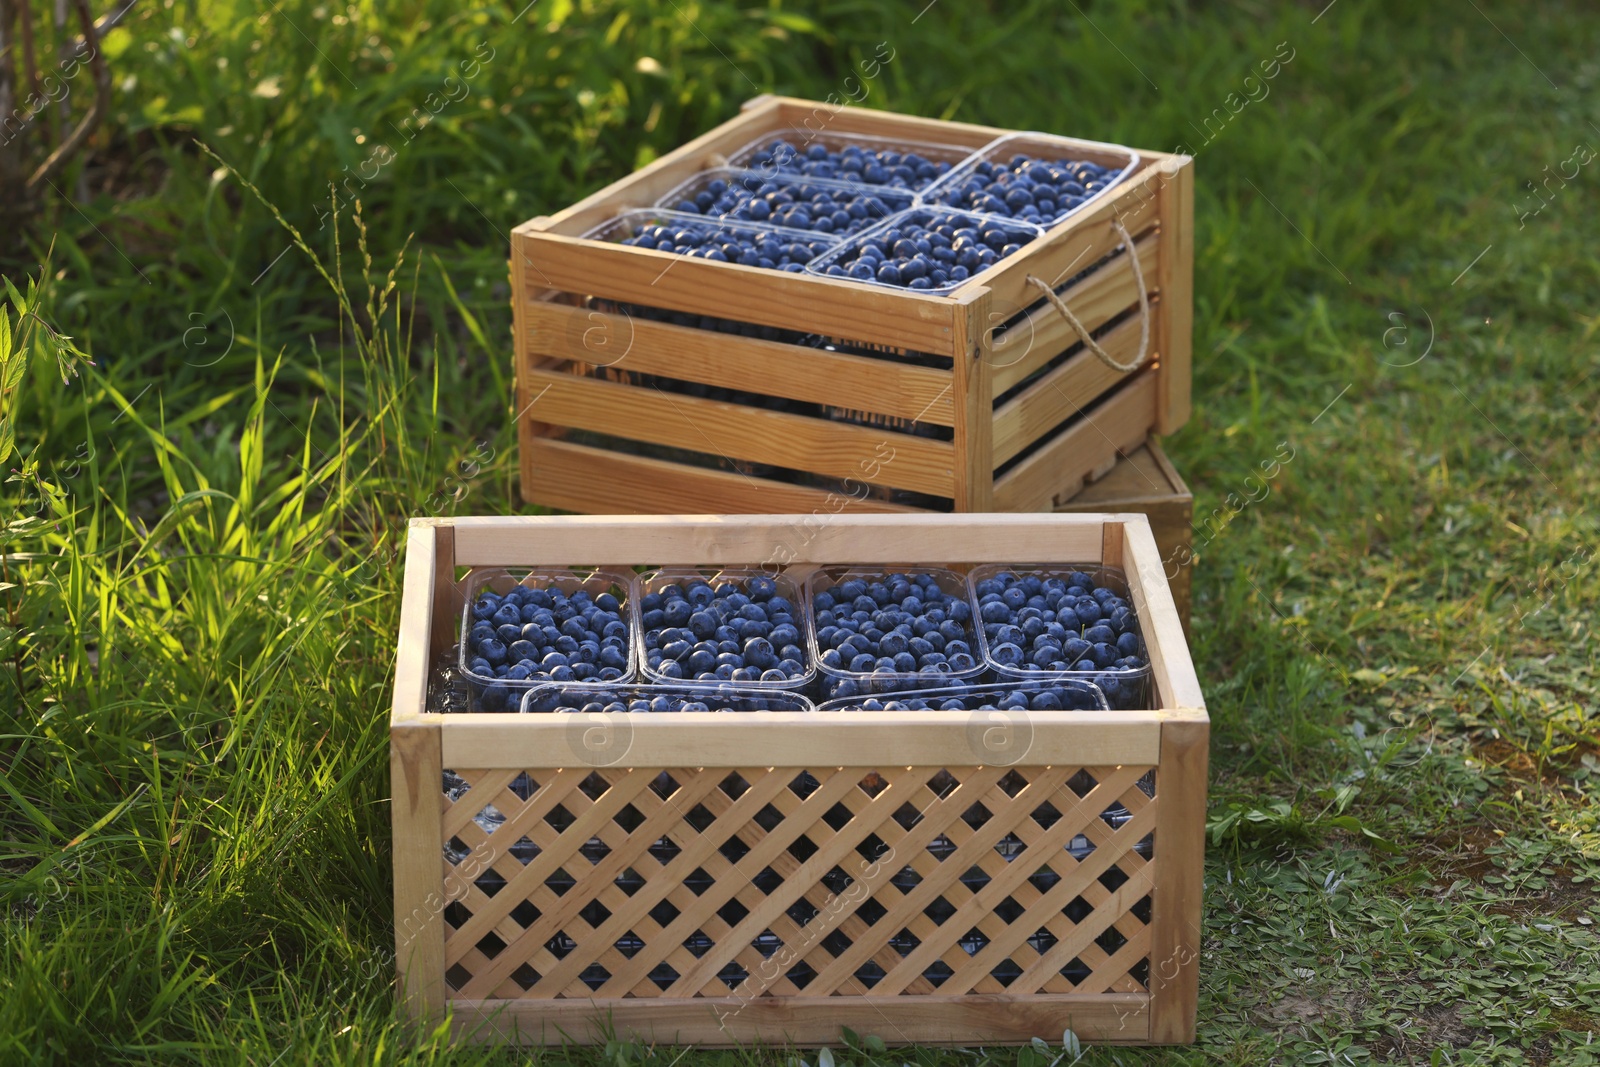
column 742, row 631
column 853, row 162
column 750, row 246
column 1040, row 191
column 542, row 632
column 1067, row 623
column 928, row 249
column 897, row 631
column 793, row 203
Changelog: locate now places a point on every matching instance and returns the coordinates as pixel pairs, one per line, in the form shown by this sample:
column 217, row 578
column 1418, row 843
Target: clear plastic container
column 731, row 193
column 844, row 683
column 1072, row 694
column 659, row 699
column 488, row 692
column 1052, row 151
column 1127, row 688
column 630, row 225
column 886, row 233
column 646, row 633
column 760, row 156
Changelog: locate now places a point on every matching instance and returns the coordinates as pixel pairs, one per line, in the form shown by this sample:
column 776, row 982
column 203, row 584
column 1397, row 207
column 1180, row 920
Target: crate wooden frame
column 1069, row 421
column 897, row 752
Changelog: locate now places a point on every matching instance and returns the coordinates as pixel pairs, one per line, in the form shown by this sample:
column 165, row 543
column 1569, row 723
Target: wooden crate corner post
column 1175, row 325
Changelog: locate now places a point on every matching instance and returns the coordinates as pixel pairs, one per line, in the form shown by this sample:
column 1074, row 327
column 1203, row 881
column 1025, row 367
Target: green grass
column 1396, row 642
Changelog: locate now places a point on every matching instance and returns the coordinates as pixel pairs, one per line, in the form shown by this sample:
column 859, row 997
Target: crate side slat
column 739, row 432
column 1171, row 666
column 727, row 1022
column 574, row 477
column 879, row 315
column 1176, row 326
column 1118, row 424
column 1062, row 393
column 748, row 363
column 502, row 541
column 805, row 739
column 1043, row 334
column 416, row 625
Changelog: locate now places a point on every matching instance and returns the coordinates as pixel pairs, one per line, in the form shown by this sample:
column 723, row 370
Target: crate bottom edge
column 733, row 1021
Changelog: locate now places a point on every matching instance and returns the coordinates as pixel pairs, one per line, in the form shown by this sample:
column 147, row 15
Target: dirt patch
column 1437, row 1027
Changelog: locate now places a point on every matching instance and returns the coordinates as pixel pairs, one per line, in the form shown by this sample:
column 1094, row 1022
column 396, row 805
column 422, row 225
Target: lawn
column 1397, row 287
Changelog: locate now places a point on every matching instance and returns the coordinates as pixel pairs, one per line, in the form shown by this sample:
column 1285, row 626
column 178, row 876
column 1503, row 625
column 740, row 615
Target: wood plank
column 1061, row 393
column 728, row 1022
column 1073, row 244
column 1119, row 423
column 1176, row 323
column 867, row 739
column 1171, row 668
column 737, row 431
column 620, row 540
column 1043, row 334
column 871, row 314
column 414, row 777
column 572, row 477
column 416, row 622
column 934, row 131
column 771, row 368
column 974, row 423
column 1180, row 859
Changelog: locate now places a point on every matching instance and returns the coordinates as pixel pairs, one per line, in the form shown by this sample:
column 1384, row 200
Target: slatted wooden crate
column 718, row 879
column 982, row 400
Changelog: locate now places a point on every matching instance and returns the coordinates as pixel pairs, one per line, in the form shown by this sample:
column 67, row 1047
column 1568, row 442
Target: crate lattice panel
column 688, row 883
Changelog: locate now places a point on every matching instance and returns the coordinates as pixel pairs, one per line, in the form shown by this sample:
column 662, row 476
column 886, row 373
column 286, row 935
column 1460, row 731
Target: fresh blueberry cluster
column 881, row 633
column 795, row 205
column 742, row 630
column 1061, row 623
column 1035, row 190
column 657, row 700
column 883, row 166
column 543, row 632
column 749, row 246
column 928, row 250
column 1062, row 697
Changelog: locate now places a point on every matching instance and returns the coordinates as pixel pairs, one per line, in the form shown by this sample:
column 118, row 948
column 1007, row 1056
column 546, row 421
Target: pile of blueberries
column 656, row 700
column 742, row 630
column 750, row 246
column 883, row 166
column 883, row 633
column 929, row 250
column 1062, row 623
column 1061, row 696
column 798, row 205
column 542, row 632
column 1034, row 190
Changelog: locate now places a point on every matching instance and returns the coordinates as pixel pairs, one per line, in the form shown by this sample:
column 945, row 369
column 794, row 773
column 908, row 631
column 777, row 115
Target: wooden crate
column 983, row 400
column 760, row 854
column 1147, row 482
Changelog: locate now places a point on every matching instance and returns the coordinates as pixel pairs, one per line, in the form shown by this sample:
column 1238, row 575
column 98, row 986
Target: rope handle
column 1144, row 310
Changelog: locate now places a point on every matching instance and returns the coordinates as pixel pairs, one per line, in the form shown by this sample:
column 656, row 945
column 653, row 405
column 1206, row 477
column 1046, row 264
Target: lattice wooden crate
column 985, row 399
column 719, row 879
